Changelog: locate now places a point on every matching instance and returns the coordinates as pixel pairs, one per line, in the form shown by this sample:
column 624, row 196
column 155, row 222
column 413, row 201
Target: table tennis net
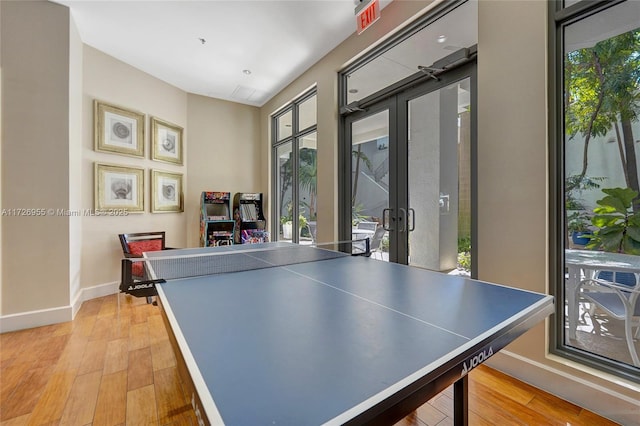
column 168, row 267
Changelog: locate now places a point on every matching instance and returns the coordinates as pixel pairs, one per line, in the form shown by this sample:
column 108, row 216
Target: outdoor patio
column 601, row 334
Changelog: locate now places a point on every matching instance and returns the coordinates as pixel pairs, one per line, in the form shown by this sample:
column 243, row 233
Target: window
column 295, row 171
column 596, row 140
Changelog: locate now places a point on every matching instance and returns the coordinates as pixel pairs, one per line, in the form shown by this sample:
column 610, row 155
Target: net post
column 140, row 288
column 356, row 247
column 126, row 276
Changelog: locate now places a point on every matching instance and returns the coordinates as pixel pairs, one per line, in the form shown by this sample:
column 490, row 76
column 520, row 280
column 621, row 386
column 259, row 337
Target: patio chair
column 367, row 226
column 312, row 226
column 617, row 294
column 375, row 246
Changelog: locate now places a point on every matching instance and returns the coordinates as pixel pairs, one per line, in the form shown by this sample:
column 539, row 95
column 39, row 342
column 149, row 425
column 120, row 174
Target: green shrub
column 464, row 260
column 464, row 244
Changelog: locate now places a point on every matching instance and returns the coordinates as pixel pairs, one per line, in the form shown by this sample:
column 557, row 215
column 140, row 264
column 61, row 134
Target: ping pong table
column 308, row 336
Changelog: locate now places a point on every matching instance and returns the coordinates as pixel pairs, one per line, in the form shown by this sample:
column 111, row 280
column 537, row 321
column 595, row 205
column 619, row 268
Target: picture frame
column 166, row 141
column 118, row 130
column 118, row 187
column 166, row 192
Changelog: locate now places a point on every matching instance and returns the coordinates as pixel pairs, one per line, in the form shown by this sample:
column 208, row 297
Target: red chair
column 133, row 245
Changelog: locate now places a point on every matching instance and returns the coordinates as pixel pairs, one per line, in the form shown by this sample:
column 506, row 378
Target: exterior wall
column 604, row 161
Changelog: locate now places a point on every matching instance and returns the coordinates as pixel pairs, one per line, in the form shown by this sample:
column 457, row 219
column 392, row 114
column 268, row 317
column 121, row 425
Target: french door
column 411, row 169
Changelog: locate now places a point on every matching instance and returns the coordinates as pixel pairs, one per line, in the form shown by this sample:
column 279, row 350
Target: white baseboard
column 601, row 400
column 100, row 291
column 33, row 319
column 57, row 315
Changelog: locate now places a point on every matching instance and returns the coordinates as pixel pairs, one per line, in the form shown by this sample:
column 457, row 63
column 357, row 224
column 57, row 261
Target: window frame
column 558, row 18
column 297, row 134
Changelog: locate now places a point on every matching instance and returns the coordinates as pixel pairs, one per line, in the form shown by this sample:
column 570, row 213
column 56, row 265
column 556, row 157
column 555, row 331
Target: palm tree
column 286, row 178
column 358, row 156
column 308, row 176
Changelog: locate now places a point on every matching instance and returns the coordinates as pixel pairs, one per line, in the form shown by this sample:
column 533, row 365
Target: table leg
column 461, row 401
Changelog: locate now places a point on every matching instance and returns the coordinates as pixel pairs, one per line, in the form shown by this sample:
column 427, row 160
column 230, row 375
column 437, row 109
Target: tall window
column 597, row 142
column 295, row 171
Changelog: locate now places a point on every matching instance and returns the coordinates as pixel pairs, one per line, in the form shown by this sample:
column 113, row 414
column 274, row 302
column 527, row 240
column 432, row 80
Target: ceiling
column 204, row 47
column 456, row 30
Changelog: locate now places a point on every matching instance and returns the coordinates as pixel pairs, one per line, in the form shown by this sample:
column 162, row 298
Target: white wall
column 220, row 150
column 604, row 161
column 35, row 155
column 75, row 159
column 513, row 196
column 110, row 80
column 51, row 264
column 224, row 153
column 1, row 137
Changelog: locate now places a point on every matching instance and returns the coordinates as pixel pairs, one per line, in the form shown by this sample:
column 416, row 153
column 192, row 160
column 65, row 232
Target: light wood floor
column 109, row 369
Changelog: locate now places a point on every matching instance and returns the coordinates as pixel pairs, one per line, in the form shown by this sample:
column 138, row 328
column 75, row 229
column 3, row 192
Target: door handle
column 412, row 213
column 403, row 219
column 386, row 219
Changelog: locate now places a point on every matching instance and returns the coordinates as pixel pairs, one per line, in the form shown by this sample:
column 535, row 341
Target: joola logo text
column 140, row 286
column 478, row 359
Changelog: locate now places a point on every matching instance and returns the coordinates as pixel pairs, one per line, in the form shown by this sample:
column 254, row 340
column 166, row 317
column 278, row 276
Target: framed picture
column 118, row 187
column 166, row 141
column 166, row 192
column 118, row 130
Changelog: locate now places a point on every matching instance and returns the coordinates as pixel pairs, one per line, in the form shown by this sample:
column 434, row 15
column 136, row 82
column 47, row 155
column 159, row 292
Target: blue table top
column 323, row 341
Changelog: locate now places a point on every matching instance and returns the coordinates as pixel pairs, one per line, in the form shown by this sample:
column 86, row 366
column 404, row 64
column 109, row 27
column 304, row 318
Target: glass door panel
column 411, row 171
column 284, row 182
column 307, row 187
column 370, row 181
column 437, row 219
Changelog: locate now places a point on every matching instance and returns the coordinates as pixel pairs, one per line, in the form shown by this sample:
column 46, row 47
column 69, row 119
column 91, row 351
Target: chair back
column 133, row 245
column 376, row 240
column 312, row 230
column 369, row 226
column 628, row 279
column 619, row 298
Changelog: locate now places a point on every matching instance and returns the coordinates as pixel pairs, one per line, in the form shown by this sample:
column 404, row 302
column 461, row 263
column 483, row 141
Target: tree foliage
column 308, row 176
column 286, row 179
column 602, row 93
column 618, row 226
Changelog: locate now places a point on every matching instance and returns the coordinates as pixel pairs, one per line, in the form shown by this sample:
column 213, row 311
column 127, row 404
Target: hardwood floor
column 109, row 369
